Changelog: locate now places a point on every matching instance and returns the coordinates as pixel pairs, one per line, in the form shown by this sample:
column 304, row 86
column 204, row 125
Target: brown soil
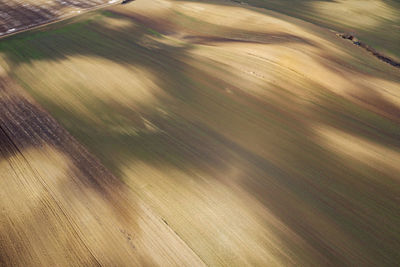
column 18, row 15
column 59, row 205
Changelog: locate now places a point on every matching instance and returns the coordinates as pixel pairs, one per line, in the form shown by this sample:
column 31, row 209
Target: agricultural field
column 60, row 206
column 198, row 132
column 375, row 22
column 19, row 15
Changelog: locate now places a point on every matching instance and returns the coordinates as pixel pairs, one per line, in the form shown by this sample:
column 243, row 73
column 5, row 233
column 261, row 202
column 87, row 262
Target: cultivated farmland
column 197, row 132
column 18, row 15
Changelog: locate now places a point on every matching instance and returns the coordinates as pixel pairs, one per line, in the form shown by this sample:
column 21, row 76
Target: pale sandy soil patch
column 104, row 80
column 115, row 23
column 361, row 13
column 359, row 149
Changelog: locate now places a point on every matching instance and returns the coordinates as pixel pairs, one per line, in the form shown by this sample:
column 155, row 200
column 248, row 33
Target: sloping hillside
column 60, row 206
column 258, row 138
column 375, row 22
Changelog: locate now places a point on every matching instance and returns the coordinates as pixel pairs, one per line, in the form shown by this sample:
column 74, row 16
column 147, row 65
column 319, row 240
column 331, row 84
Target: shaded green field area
column 376, row 23
column 248, row 159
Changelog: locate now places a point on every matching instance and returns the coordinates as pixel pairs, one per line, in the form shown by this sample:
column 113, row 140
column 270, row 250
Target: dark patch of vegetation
column 370, row 49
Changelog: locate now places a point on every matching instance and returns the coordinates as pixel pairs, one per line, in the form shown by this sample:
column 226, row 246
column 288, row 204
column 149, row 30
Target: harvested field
column 230, row 135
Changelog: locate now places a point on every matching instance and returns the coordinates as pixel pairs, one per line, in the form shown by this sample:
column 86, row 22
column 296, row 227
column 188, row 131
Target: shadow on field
column 383, row 36
column 20, row 16
column 344, row 209
column 26, row 128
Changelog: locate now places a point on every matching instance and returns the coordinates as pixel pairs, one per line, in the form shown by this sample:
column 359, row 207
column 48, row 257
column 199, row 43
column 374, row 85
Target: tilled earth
column 17, row 15
column 229, row 135
column 60, row 206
